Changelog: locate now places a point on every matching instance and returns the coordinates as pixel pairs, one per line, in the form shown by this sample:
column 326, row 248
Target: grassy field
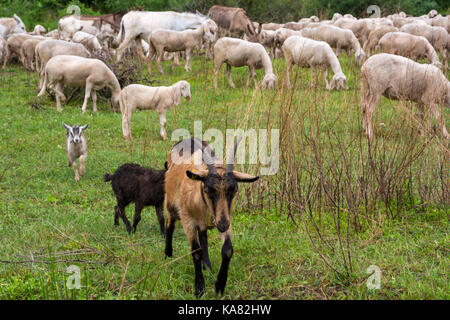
column 49, row 222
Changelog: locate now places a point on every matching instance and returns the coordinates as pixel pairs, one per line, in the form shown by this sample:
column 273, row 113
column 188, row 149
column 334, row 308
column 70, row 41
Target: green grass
column 43, row 210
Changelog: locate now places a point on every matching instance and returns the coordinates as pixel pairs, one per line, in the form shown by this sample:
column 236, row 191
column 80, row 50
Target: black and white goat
column 76, row 147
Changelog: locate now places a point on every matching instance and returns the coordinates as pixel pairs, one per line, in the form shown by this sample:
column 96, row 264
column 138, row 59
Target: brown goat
column 200, row 195
column 233, row 20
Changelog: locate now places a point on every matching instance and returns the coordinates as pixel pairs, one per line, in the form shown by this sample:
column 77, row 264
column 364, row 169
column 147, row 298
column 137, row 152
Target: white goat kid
column 136, row 96
column 76, row 147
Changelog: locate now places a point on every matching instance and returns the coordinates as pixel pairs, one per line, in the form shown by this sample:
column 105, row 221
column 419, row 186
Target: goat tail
column 107, row 177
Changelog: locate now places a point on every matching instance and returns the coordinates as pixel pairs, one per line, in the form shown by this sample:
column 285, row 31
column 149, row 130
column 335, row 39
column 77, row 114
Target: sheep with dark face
column 143, row 186
column 76, row 147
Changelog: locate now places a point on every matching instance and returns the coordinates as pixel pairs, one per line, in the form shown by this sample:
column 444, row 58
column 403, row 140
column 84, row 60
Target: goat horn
column 230, row 162
column 206, row 154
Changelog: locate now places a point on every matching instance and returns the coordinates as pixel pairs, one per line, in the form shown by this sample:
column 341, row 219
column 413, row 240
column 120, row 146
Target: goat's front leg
column 82, row 164
column 160, row 215
column 162, row 122
column 227, row 253
column 203, row 238
column 137, row 215
column 197, row 255
column 75, row 170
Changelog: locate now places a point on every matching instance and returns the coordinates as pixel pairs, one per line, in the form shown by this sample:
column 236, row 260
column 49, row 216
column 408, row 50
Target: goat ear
column 198, row 175
column 84, row 127
column 176, row 95
column 244, row 177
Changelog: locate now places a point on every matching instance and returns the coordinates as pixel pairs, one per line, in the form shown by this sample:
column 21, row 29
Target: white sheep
column 90, row 41
column 400, row 78
column 38, row 30
column 409, row 46
column 175, row 41
column 92, row 74
column 308, row 53
column 343, row 40
column 2, row 47
column 375, row 35
column 239, row 53
column 137, row 96
column 76, row 147
column 437, row 36
column 27, row 53
column 50, row 48
column 282, row 34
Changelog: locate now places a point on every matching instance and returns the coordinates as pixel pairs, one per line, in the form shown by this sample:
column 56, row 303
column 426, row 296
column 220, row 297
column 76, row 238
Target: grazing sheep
column 338, row 38
column 14, row 44
column 137, row 96
column 70, row 70
column 400, row 78
column 282, row 34
column 272, row 26
column 239, row 53
column 313, row 54
column 54, row 34
column 360, row 28
column 89, row 41
column 38, row 30
column 2, row 47
column 45, row 50
column 143, row 186
column 437, row 36
column 375, row 35
column 27, row 53
column 232, row 20
column 267, row 39
column 195, row 194
column 11, row 25
column 409, row 46
column 76, row 147
column 175, row 41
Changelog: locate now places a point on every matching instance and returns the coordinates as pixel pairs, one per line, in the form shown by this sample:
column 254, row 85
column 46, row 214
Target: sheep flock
column 400, row 57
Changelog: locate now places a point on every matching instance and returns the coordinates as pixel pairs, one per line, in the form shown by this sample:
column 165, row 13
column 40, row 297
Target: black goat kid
column 143, row 186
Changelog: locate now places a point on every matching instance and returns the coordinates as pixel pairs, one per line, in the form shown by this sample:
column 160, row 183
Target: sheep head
column 269, row 82
column 339, row 81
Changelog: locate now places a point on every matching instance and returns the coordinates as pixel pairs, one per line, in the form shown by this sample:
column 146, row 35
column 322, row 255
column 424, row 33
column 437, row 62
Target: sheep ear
column 199, row 175
column 176, row 94
column 244, row 177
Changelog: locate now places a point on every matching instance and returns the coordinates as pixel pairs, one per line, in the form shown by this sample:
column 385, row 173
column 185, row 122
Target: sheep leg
column 203, row 238
column 421, row 114
column 159, row 55
column 122, row 47
column 439, row 119
column 229, row 76
column 253, row 72
column 87, row 94
column 368, row 110
column 288, row 71
column 137, row 215
column 217, row 65
column 313, row 78
column 94, row 100
column 160, row 215
column 247, row 84
column 162, row 122
column 6, row 56
column 59, row 95
column 149, row 58
column 82, row 164
column 187, row 67
column 325, row 76
column 126, row 117
column 227, row 253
